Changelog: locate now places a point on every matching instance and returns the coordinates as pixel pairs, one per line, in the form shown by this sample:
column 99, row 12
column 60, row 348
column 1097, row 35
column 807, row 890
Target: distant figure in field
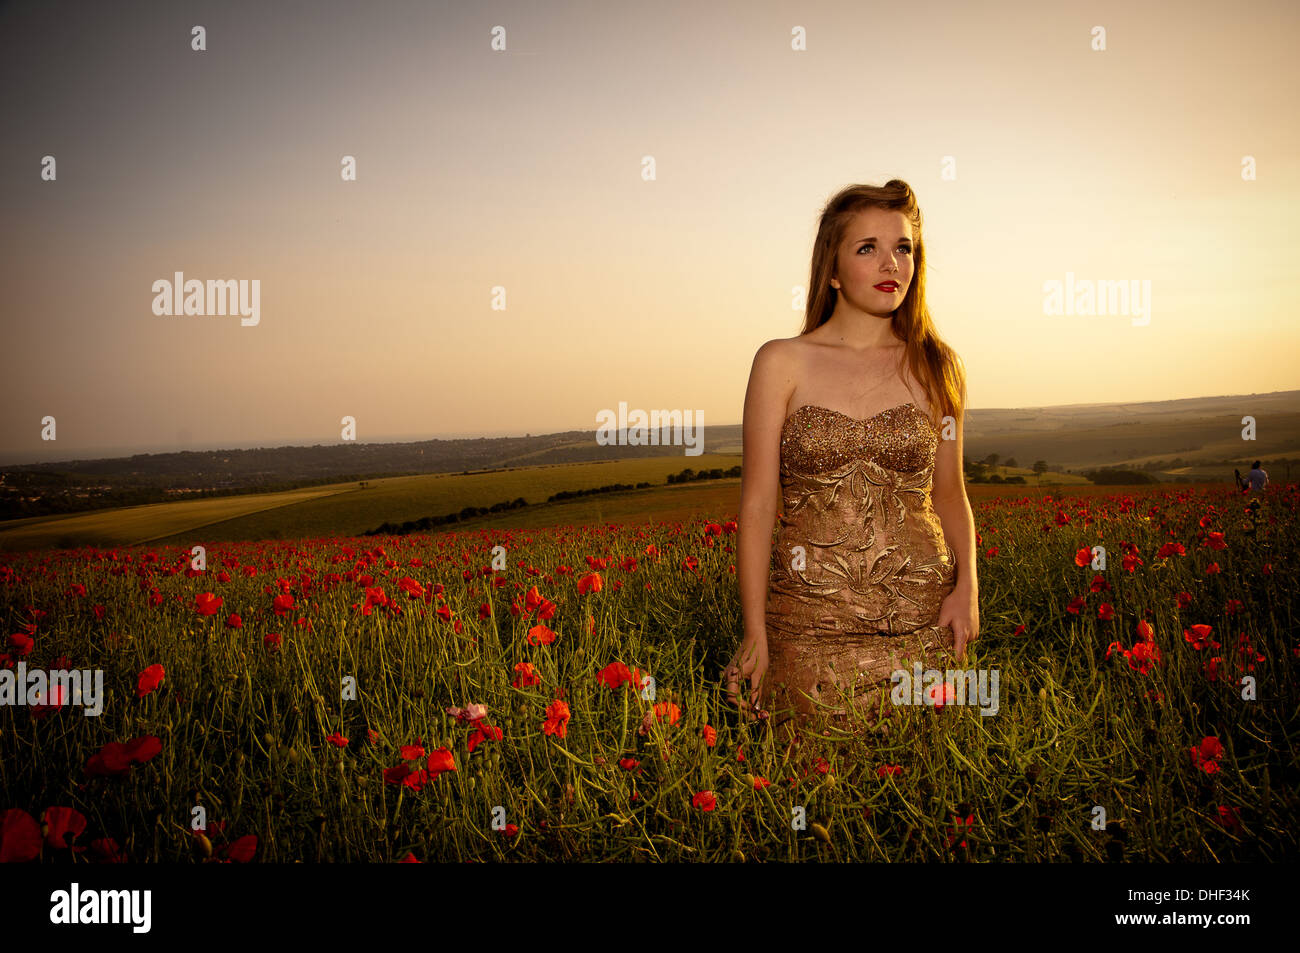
column 1256, row 479
column 1242, row 485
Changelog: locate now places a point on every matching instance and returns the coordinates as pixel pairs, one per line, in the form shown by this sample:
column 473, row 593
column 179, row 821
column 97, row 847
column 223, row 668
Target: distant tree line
column 717, row 473
column 979, row 471
column 427, row 523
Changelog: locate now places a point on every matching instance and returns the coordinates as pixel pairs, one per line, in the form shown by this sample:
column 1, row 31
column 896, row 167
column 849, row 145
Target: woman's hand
column 749, row 662
column 961, row 611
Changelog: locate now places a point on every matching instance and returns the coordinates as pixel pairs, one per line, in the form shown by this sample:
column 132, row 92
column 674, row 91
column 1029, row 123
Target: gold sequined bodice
column 860, row 549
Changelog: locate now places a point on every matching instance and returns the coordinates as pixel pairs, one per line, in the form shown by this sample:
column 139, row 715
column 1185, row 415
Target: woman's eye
column 906, row 248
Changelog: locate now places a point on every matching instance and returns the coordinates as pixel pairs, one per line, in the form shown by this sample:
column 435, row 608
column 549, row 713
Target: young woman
column 856, row 424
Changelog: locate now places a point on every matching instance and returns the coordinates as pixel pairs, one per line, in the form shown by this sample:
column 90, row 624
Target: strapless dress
column 860, row 565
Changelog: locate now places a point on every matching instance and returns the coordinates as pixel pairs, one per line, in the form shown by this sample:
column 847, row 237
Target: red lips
column 887, row 286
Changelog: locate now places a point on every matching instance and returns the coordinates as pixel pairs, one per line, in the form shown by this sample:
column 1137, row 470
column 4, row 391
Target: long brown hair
column 932, row 363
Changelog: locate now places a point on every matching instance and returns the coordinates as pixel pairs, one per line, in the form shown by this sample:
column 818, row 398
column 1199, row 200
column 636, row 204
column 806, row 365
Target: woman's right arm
column 770, row 385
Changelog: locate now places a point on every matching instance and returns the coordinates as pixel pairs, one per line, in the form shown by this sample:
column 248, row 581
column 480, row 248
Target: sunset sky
column 523, row 169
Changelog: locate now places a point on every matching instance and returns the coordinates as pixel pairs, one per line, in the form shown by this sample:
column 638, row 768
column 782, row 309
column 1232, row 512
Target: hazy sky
column 522, row 169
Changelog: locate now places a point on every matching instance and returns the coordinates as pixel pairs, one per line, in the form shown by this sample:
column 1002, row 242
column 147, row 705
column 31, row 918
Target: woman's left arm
column 959, row 532
column 961, row 609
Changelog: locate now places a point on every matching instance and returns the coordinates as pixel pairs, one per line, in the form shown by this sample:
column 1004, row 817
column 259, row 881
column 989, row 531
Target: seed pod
column 202, row 844
column 820, row 832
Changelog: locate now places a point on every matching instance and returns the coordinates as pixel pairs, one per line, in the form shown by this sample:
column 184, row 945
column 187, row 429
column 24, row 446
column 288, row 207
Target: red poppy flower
column 207, row 603
column 21, row 644
column 557, row 719
column 616, row 673
column 62, row 826
column 960, row 829
column 527, row 676
column 149, row 679
column 242, row 850
column 1206, row 755
column 20, row 837
column 540, row 635
column 667, row 710
column 105, row 850
column 439, row 761
column 941, row 694
column 143, row 749
column 1228, row 818
column 483, row 733
column 411, row 587
column 110, row 761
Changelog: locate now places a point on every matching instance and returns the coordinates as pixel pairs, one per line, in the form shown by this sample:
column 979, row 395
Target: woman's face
column 877, row 248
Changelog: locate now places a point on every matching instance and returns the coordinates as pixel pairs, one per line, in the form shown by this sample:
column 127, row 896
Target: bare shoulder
column 780, row 356
column 772, row 379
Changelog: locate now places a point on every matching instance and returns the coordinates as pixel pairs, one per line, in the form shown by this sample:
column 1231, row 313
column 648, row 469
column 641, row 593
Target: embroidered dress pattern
column 860, row 566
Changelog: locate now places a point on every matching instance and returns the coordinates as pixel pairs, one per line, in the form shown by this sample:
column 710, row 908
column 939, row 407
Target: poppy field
column 534, row 695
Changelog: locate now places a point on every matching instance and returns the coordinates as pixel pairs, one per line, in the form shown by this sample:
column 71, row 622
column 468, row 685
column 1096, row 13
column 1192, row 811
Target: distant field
column 347, row 510
column 138, row 524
